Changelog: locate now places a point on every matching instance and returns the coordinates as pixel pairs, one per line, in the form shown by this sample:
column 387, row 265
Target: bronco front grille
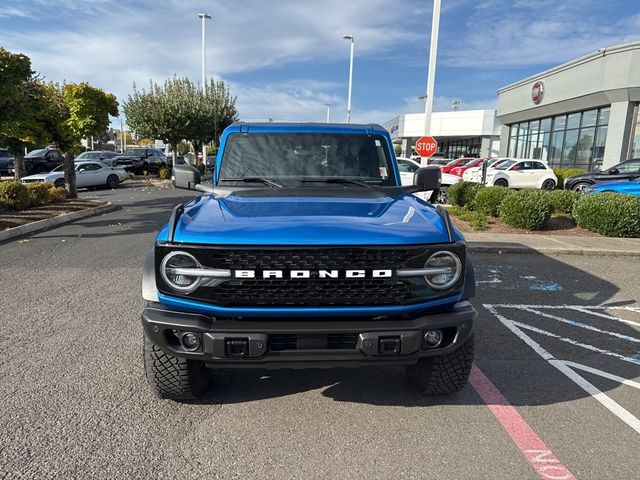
column 313, row 291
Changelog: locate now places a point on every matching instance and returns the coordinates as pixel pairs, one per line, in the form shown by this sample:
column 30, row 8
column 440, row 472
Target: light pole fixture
column 352, row 40
column 431, row 75
column 328, row 105
column 204, row 17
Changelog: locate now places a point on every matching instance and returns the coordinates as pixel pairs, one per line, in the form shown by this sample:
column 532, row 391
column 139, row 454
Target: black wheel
column 549, row 184
column 442, row 195
column 580, row 186
column 172, row 377
column 59, row 183
column 113, row 181
column 145, row 168
column 445, row 374
column 501, row 182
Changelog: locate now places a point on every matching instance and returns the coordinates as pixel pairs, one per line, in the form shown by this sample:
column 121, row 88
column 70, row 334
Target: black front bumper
column 284, row 343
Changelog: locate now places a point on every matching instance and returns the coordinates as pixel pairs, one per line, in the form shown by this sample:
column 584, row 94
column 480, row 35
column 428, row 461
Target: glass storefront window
column 589, row 118
column 573, row 121
column 635, row 143
column 574, row 140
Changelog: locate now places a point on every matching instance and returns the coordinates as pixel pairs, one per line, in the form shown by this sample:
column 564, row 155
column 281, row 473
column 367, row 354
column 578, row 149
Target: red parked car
column 462, row 168
column 458, row 162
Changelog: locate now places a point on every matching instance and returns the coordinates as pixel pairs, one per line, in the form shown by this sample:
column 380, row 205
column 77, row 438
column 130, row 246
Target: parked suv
column 306, row 251
column 6, row 162
column 42, row 160
column 140, row 160
column 623, row 171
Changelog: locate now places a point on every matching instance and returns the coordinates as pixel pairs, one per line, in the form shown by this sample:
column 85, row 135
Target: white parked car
column 408, row 167
column 88, row 174
column 523, row 174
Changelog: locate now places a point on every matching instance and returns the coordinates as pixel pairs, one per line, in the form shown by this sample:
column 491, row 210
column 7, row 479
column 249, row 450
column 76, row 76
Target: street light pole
column 204, row 17
column 352, row 39
column 431, row 76
column 328, row 105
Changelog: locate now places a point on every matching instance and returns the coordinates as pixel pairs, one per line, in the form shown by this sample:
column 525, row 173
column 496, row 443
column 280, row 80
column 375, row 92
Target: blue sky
column 285, row 59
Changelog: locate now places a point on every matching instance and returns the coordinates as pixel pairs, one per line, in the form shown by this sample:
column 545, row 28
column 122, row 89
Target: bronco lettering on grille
column 302, row 274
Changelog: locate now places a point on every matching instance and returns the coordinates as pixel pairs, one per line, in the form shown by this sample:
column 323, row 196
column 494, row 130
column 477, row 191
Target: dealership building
column 581, row 114
column 468, row 133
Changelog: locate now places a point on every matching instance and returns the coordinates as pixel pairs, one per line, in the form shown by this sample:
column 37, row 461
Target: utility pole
column 352, row 40
column 204, row 17
column 328, row 105
column 431, row 75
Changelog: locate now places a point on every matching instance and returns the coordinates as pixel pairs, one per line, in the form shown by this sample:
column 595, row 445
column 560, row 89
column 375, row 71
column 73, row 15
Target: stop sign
column 426, row 146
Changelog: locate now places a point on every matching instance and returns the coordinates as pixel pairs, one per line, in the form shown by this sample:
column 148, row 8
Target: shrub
column 14, row 195
column 57, row 194
column 529, row 209
column 488, row 200
column 164, row 173
column 563, row 173
column 610, row 214
column 476, row 220
column 38, row 193
column 562, row 200
column 463, row 194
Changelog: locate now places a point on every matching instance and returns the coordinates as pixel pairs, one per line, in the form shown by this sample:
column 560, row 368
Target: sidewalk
column 552, row 244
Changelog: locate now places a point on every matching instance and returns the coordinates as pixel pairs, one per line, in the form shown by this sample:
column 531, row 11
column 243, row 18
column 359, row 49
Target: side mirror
column 613, row 171
column 82, row 170
column 427, row 179
column 185, row 176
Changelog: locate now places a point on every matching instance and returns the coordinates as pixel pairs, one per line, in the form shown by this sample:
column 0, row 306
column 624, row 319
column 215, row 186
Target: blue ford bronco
column 306, row 251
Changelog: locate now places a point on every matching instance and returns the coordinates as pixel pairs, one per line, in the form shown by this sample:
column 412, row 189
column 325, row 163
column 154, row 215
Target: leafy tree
column 16, row 104
column 178, row 110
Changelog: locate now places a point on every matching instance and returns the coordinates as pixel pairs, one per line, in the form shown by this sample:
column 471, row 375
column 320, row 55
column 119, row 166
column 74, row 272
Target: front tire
column 444, row 374
column 580, row 186
column 172, row 377
column 59, row 183
column 501, row 182
column 548, row 184
column 113, row 181
column 442, row 195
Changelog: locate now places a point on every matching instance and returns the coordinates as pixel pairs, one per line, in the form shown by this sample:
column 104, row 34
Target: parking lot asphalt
column 554, row 392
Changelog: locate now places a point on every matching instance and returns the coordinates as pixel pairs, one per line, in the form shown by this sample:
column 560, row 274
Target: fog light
column 433, row 338
column 190, row 342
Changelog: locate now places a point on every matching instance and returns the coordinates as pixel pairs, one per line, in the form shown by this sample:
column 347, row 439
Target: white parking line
column 582, row 325
column 568, row 367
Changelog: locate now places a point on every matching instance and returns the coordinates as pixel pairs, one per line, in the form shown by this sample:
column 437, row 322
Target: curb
column 53, row 222
column 475, row 247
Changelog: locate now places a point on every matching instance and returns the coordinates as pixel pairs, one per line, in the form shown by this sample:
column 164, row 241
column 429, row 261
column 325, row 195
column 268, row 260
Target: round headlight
column 449, row 269
column 170, row 270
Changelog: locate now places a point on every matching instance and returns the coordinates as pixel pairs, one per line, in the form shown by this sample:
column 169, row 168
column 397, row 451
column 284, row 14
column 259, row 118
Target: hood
column 619, row 185
column 39, row 176
column 373, row 218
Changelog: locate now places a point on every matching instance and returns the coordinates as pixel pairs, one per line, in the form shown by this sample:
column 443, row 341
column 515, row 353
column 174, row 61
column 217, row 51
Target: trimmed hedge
column 463, row 194
column 488, row 200
column 56, row 194
column 529, row 209
column 38, row 193
column 563, row 173
column 164, row 174
column 476, row 220
column 610, row 214
column 14, row 195
column 562, row 201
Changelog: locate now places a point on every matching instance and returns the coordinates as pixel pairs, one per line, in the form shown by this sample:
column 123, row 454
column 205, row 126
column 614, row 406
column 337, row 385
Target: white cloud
column 501, row 34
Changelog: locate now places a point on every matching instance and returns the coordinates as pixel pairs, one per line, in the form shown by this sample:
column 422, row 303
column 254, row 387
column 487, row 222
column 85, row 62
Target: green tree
column 178, row 110
column 17, row 105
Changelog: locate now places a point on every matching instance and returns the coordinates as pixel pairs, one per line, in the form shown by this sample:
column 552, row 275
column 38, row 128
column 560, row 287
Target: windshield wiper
column 252, row 180
column 337, row 180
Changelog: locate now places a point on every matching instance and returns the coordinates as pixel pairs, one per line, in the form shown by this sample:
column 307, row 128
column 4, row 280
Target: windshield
column 36, row 153
column 136, row 152
column 91, row 155
column 504, row 165
column 299, row 156
column 59, row 168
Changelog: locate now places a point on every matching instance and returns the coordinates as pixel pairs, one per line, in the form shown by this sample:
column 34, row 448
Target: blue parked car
column 631, row 187
column 305, row 250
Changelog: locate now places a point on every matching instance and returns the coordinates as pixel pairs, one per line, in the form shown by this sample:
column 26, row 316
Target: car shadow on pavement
column 512, row 281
